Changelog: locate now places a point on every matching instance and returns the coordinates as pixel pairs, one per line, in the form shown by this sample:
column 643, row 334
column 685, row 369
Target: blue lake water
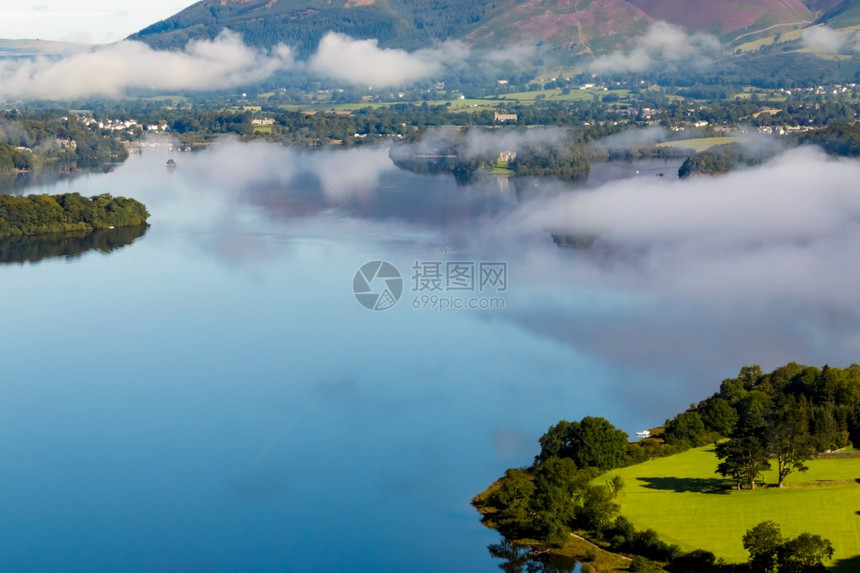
column 212, row 397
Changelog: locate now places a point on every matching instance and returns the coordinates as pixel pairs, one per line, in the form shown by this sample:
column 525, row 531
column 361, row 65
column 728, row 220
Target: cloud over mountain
column 664, row 42
column 363, row 62
column 826, row 40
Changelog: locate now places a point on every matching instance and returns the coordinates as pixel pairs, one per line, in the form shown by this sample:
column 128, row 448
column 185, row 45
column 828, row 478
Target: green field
column 769, row 40
column 470, row 104
column 557, row 95
column 700, row 143
column 682, row 499
column 456, row 105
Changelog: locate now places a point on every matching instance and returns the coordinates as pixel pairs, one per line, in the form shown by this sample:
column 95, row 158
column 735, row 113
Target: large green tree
column 787, row 438
column 763, row 542
column 686, row 428
column 718, row 415
column 599, row 506
column 743, row 460
column 804, row 553
column 557, row 487
column 515, row 516
column 591, row 442
column 769, row 552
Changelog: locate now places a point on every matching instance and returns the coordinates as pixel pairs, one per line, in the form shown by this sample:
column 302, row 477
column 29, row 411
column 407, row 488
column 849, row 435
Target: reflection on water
column 34, row 248
column 29, row 181
column 524, row 559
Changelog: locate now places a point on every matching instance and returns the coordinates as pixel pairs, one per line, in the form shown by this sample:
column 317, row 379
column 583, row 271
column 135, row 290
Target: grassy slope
column 682, row 499
column 699, row 143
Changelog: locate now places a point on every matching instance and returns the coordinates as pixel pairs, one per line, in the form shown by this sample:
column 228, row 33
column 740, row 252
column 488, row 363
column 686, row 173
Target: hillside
column 301, row 23
column 581, row 25
column 731, row 18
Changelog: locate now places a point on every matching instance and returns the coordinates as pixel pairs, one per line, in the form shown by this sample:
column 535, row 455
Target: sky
column 82, row 21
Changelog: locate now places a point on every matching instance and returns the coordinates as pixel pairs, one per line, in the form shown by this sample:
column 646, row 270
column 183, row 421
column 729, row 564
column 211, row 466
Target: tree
column 718, row 415
column 806, row 552
column 763, row 542
column 599, row 506
column 592, row 442
column 696, row 561
column 744, row 459
column 825, row 431
column 513, row 499
column 607, row 445
column 753, row 411
column 557, row 485
column 686, row 428
column 771, row 553
column 787, row 438
column 559, row 442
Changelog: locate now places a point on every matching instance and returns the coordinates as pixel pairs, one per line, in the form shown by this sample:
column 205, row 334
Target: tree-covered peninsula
column 38, row 214
column 781, row 442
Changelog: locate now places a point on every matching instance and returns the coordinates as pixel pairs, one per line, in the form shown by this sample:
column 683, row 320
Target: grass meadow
column 685, row 502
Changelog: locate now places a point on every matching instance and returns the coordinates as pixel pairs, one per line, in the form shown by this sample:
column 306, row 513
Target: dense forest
column 37, row 214
column 758, row 420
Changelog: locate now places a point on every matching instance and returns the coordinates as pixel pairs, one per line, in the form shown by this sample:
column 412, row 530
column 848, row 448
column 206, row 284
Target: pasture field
column 700, row 143
column 686, row 502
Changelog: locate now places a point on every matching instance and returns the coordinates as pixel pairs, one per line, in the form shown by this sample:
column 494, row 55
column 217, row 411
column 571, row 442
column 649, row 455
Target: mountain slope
column 581, row 25
column 301, row 23
column 842, row 14
column 599, row 25
column 729, row 18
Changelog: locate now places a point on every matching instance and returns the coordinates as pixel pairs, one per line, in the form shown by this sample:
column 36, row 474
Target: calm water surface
column 210, row 396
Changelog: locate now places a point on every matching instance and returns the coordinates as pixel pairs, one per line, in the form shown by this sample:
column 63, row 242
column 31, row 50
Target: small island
column 761, row 476
column 69, row 212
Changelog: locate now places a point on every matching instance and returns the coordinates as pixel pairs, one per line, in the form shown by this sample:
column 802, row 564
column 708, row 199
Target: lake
column 211, row 395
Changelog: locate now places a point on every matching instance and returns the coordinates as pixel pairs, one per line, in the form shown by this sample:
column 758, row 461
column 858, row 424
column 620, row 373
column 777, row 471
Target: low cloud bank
column 826, row 40
column 691, row 279
column 772, row 231
column 633, row 138
column 116, row 69
column 478, row 142
column 363, row 62
column 226, row 62
column 662, row 43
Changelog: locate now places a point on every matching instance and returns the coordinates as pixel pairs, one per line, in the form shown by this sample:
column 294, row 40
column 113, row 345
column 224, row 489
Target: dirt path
column 600, row 548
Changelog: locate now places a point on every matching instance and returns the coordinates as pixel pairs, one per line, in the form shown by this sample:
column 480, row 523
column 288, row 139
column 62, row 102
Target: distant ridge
column 578, row 25
column 29, row 48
